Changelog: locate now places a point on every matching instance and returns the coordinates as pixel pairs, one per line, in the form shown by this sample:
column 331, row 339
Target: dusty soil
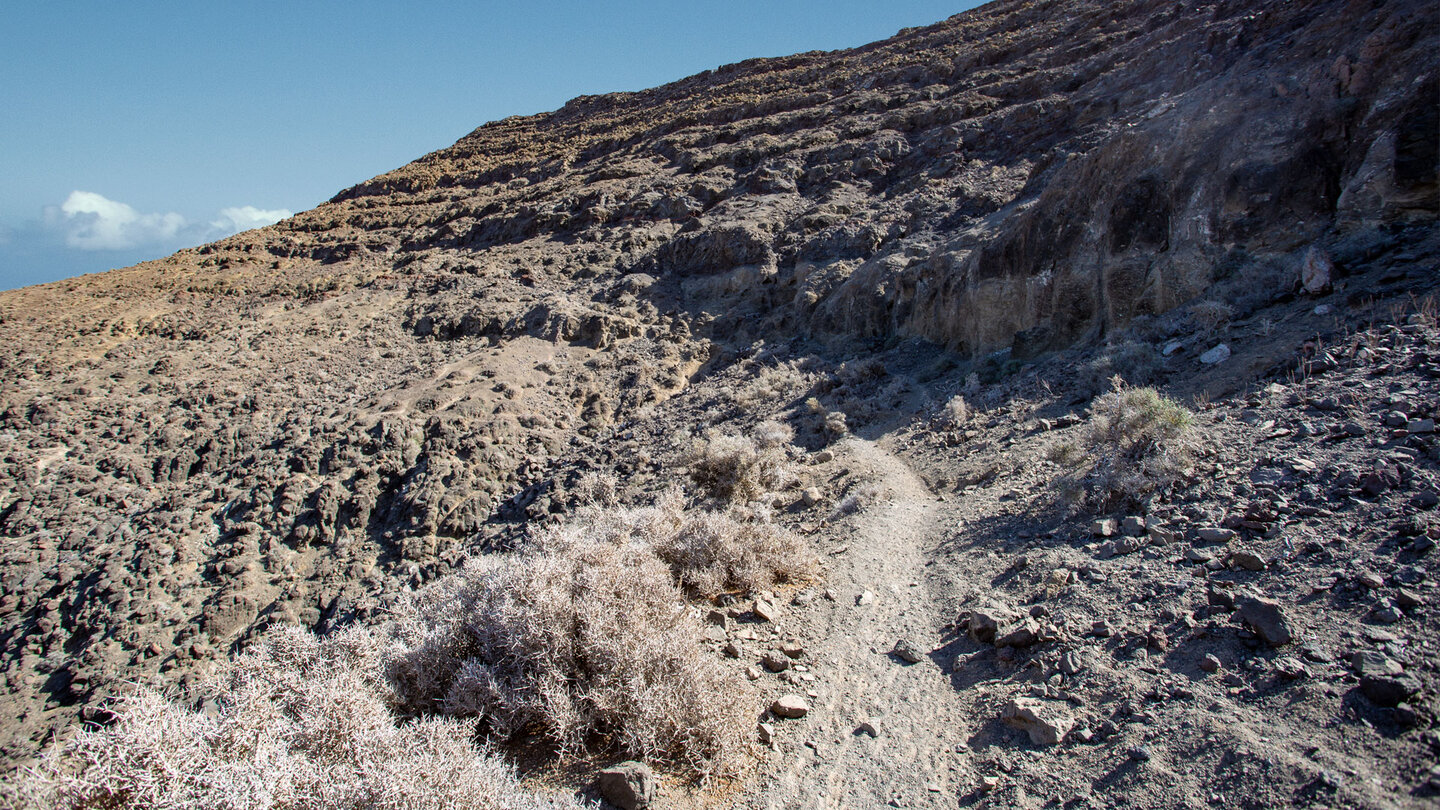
column 1148, row 726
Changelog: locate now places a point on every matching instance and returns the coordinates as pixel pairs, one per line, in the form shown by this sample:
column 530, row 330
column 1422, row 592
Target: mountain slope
column 293, row 424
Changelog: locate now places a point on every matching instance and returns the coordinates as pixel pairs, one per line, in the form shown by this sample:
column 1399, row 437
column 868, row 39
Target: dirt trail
column 914, row 707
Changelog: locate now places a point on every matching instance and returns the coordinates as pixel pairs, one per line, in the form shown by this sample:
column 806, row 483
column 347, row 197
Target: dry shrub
column 582, row 641
column 597, row 489
column 1138, row 442
column 955, row 413
column 713, row 552
column 739, row 469
column 301, row 724
column 1211, row 316
column 773, row 434
column 1135, row 361
column 859, row 497
column 583, row 637
column 772, row 387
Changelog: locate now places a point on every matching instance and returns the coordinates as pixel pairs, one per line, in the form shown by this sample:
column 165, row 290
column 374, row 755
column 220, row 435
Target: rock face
column 294, row 424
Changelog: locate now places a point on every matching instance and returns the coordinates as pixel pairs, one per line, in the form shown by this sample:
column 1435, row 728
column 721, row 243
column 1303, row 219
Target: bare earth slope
column 294, row 424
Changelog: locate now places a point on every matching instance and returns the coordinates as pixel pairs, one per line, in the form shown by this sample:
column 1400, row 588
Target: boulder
column 1389, row 690
column 1047, row 723
column 791, row 706
column 1317, row 272
column 1266, row 618
column 629, row 785
column 985, row 623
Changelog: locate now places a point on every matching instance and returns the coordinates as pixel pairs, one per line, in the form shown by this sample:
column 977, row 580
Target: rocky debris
column 1023, row 634
column 1290, row 668
column 1266, row 618
column 1074, row 662
column 790, row 706
column 1389, row 690
column 985, row 623
column 909, row 652
column 1046, row 722
column 1218, row 354
column 1133, row 526
column 775, row 661
column 628, row 786
column 1248, row 560
column 765, row 610
column 1125, row 545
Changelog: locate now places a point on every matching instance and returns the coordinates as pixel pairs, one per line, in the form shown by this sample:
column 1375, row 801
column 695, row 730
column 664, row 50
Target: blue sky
column 133, row 129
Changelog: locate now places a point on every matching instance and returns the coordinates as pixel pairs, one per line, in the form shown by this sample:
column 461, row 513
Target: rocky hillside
column 297, row 424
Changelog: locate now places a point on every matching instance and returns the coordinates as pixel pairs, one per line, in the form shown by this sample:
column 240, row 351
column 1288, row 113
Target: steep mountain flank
column 293, row 425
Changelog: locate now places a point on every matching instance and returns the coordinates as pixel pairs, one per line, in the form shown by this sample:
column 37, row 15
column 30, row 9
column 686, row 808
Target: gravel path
column 913, row 707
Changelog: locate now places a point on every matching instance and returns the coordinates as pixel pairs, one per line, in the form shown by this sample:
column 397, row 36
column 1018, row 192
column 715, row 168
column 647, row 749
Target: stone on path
column 790, row 706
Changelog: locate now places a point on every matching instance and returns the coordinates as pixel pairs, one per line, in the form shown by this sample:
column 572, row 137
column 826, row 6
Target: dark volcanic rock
column 1266, row 618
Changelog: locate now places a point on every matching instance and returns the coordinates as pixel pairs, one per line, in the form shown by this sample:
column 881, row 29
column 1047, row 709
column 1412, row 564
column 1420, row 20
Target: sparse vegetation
column 859, row 497
column 582, row 638
column 1135, row 361
column 1211, row 316
column 1138, row 441
column 298, row 723
column 740, row 469
column 955, row 413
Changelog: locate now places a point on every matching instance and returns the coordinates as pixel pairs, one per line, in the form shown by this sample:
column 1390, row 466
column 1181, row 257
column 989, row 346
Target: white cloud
column 234, row 220
column 90, row 221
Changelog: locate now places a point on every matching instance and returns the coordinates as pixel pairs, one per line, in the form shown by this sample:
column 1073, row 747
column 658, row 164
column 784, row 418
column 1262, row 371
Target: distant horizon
column 136, row 131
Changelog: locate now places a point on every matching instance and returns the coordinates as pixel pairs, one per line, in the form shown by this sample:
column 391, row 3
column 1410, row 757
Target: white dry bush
column 859, row 497
column 739, row 469
column 301, row 724
column 583, row 638
column 955, row 413
column 597, row 489
column 771, row 433
column 581, row 641
column 712, row 552
column 1138, row 442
